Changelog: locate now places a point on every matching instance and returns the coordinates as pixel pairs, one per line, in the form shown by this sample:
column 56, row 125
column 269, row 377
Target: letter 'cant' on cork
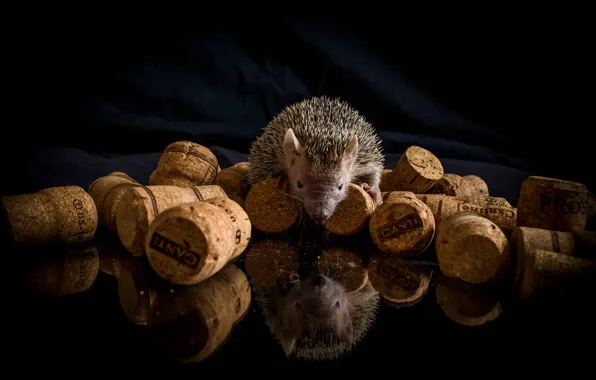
column 140, row 205
column 417, row 170
column 270, row 209
column 552, row 204
column 352, row 214
column 56, row 215
column 185, row 164
column 189, row 243
column 402, row 225
column 472, row 248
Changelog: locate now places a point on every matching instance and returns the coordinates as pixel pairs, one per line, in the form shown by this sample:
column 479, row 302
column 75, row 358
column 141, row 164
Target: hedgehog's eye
column 340, row 187
column 337, row 304
column 299, row 184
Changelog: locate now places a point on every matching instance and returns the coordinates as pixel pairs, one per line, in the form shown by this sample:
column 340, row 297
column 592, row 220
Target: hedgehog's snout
column 319, row 211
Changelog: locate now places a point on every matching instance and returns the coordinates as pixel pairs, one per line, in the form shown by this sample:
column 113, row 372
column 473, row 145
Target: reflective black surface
column 98, row 305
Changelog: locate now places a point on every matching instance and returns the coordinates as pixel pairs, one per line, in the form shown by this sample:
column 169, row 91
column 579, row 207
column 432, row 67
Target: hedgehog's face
column 322, row 186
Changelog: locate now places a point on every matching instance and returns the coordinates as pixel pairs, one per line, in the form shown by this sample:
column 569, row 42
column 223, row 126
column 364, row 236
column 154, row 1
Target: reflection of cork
column 504, row 217
column 466, row 304
column 433, row 201
column 56, row 215
column 472, row 248
column 185, row 164
column 70, row 272
column 344, row 266
column 402, row 225
column 398, row 281
column 140, row 205
column 270, row 209
column 135, row 291
column 269, row 261
column 387, row 181
column 233, row 180
column 541, row 273
column 417, row 170
column 552, row 204
column 106, row 193
column 188, row 243
column 352, row 214
column 190, row 323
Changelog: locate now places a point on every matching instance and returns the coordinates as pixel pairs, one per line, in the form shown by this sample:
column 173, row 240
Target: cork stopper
column 240, row 221
column 433, row 201
column 397, row 280
column 402, row 225
column 544, row 274
column 106, row 193
column 270, row 261
column 472, row 248
column 233, row 181
column 190, row 323
column 487, row 201
column 352, row 214
column 271, row 210
column 525, row 239
column 189, row 243
column 140, row 205
column 344, row 266
column 64, row 272
column 504, row 217
column 387, row 184
column 466, row 304
column 185, row 164
column 241, row 167
column 448, row 185
column 552, row 204
column 417, row 170
column 56, row 215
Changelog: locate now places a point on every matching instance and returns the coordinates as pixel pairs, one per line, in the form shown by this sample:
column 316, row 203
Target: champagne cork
column 190, row 323
column 552, row 204
column 239, row 218
column 504, row 217
column 241, row 167
column 473, row 186
column 56, row 215
column 270, row 261
column 527, row 238
column 233, row 181
column 487, row 201
column 402, row 225
column 386, row 194
column 467, row 304
column 417, row 170
column 386, row 184
column 448, row 185
column 352, row 214
column 398, row 281
column 189, row 243
column 344, row 266
column 271, row 210
column 433, row 201
column 107, row 192
column 185, row 164
column 544, row 274
column 60, row 273
column 140, row 205
column 472, row 248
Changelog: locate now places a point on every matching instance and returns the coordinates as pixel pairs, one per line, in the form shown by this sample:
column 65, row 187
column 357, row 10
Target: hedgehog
column 316, row 319
column 316, row 147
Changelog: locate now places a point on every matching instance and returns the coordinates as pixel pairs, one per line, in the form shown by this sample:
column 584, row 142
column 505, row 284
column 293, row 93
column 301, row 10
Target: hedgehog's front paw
column 374, row 192
column 281, row 184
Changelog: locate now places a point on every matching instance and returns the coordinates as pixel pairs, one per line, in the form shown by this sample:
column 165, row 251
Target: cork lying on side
column 233, row 180
column 271, row 209
column 433, row 201
column 56, row 215
column 352, row 214
column 417, row 170
column 504, row 217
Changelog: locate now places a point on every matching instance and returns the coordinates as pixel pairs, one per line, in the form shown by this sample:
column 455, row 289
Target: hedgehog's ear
column 351, row 151
column 291, row 144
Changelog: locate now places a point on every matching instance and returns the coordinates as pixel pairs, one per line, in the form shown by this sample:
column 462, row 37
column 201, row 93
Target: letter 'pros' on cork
column 233, row 180
column 544, row 274
column 185, row 164
column 504, row 217
column 552, row 204
column 140, row 205
column 240, row 220
column 56, row 215
column 417, row 170
column 106, row 193
column 189, row 243
column 270, row 209
column 344, row 266
column 270, row 261
column 472, row 248
column 402, row 225
column 467, row 304
column 398, row 281
column 352, row 214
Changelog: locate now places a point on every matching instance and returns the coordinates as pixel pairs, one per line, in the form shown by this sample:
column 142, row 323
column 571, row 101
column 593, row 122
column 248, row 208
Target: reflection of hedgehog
column 316, row 319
